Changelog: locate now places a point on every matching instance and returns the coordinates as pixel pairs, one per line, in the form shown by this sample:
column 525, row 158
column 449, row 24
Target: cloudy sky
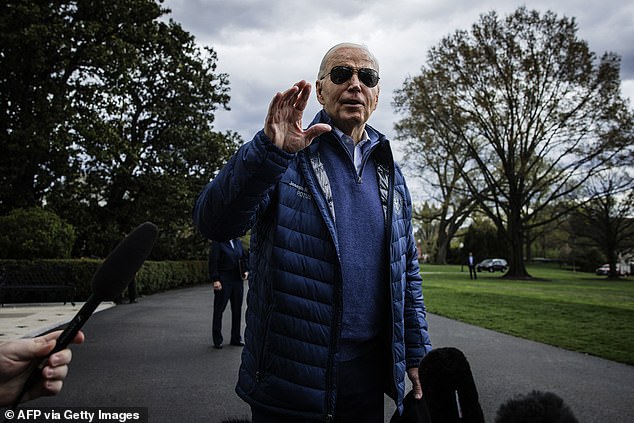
column 266, row 46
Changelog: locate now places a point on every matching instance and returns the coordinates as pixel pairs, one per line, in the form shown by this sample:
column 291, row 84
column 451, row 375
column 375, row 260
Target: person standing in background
column 227, row 271
column 471, row 261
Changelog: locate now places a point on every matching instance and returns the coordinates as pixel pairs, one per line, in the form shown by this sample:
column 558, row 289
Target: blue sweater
column 361, row 230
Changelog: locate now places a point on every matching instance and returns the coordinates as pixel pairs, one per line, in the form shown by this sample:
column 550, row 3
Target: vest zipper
column 388, row 227
column 265, row 334
column 312, row 180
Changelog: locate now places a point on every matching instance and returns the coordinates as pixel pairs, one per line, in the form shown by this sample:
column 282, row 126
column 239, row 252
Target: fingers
column 416, row 386
column 56, row 370
column 286, row 99
column 270, row 115
column 295, row 97
column 303, row 95
column 51, row 383
column 28, row 349
column 51, row 387
column 278, row 113
column 79, row 338
column 54, row 374
column 316, row 130
column 60, row 358
column 44, row 344
column 293, row 100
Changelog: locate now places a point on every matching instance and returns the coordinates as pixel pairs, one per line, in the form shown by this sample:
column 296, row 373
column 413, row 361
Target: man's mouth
column 352, row 102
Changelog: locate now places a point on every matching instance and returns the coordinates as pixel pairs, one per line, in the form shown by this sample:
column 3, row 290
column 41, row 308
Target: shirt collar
column 339, row 133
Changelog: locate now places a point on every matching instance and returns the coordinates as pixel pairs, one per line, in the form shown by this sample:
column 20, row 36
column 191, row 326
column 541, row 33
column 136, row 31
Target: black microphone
column 110, row 279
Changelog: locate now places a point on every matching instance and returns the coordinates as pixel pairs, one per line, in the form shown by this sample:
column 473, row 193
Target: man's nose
column 354, row 80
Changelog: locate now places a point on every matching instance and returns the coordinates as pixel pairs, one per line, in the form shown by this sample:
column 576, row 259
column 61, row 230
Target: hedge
column 154, row 276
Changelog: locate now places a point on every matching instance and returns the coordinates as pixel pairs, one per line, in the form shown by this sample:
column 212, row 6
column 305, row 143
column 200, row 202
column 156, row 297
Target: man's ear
column 318, row 88
column 376, row 102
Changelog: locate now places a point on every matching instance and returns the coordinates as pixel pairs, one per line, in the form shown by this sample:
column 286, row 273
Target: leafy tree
column 127, row 103
column 483, row 240
column 147, row 146
column 533, row 108
column 32, row 100
column 48, row 51
column 35, row 233
column 606, row 220
column 426, row 229
column 546, row 240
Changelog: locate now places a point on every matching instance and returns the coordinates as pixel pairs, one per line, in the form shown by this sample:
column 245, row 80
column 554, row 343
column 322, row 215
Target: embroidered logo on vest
column 301, row 191
column 398, row 202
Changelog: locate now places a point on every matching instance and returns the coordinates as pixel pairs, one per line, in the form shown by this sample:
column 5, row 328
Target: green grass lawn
column 573, row 310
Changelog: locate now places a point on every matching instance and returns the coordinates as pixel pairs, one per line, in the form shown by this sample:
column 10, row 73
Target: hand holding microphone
column 17, row 358
column 109, row 281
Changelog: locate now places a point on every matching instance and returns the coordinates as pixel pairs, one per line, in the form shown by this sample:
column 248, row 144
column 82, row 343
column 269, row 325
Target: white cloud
column 266, row 46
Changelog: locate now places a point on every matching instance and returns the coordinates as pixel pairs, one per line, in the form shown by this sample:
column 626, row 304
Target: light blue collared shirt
column 357, row 151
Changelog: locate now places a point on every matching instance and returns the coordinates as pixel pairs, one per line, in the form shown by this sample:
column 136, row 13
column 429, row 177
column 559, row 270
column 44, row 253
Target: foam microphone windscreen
column 449, row 388
column 118, row 269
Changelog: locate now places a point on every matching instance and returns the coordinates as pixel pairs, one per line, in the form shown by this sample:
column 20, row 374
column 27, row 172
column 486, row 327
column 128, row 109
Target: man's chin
column 351, row 118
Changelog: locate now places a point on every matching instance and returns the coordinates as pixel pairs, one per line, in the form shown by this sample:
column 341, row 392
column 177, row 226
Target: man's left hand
column 416, row 386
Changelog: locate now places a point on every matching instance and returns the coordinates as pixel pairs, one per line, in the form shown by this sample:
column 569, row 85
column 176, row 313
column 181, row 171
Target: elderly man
column 335, row 311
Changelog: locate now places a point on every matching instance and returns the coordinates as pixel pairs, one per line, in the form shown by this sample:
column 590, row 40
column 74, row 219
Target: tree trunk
column 529, row 244
column 517, row 268
column 442, row 244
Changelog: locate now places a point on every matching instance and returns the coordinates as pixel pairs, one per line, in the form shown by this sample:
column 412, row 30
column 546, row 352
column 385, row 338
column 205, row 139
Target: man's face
column 351, row 103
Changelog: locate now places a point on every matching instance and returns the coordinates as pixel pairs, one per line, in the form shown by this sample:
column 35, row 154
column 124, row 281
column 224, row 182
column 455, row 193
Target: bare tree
column 451, row 203
column 528, row 105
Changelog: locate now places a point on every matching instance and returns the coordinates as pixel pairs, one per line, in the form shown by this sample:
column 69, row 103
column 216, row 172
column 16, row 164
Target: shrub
column 35, row 233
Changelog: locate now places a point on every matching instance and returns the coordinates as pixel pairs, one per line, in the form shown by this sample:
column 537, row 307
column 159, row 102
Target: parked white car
column 605, row 269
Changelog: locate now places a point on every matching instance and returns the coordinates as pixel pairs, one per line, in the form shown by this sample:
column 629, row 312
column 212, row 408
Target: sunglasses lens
column 340, row 74
column 369, row 77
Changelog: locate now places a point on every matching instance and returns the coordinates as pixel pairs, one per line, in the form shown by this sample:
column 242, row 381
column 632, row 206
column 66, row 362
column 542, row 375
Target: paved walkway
column 28, row 320
column 157, row 354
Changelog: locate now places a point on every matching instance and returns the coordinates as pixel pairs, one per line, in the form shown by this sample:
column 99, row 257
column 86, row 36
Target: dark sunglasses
column 341, row 74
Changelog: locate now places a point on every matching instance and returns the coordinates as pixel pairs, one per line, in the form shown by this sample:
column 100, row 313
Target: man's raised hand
column 283, row 124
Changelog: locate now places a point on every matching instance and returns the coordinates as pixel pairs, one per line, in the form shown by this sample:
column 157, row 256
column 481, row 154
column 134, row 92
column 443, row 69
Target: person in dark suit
column 227, row 270
column 132, row 293
column 471, row 261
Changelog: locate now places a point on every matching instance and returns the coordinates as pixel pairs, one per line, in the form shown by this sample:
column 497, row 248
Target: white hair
column 324, row 61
